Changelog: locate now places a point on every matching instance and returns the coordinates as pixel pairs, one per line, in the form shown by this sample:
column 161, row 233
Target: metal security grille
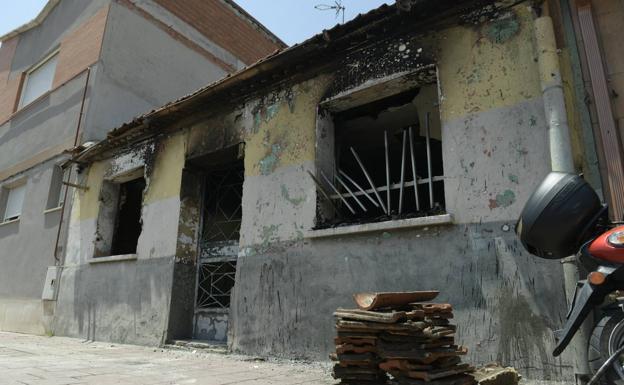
column 222, row 213
column 223, row 205
column 215, row 284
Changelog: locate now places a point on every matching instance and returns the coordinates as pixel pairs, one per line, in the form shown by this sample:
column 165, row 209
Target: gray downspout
column 561, row 160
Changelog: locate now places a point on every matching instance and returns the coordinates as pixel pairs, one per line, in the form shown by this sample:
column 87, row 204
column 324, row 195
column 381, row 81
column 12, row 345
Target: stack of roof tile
column 401, row 335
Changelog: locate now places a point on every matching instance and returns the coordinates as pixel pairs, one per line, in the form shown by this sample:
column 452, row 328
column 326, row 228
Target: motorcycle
column 564, row 217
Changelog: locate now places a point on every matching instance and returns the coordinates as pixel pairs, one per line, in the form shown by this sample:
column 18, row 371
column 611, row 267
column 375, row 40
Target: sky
column 291, row 20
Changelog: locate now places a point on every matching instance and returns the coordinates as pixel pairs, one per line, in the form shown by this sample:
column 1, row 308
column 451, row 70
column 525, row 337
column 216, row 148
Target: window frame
column 28, row 73
column 327, row 161
column 59, row 175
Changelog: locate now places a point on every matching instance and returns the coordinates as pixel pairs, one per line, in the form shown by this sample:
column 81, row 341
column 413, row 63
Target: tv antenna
column 338, row 7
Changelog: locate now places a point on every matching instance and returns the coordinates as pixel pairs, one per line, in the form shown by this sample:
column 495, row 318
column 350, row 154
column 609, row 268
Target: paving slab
column 37, row 360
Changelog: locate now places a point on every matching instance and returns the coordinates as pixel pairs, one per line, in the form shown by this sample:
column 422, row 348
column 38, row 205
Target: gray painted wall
column 141, row 68
column 47, row 123
column 29, row 259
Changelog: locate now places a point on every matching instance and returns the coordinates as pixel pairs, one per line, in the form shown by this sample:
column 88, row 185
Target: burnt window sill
column 435, row 220
column 114, row 258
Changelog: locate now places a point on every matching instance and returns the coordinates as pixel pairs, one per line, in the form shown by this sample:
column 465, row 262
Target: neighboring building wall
column 25, row 262
column 142, row 67
column 226, row 25
column 31, row 143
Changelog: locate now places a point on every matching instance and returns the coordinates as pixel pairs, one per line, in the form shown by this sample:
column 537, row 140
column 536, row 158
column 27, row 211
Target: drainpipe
column 57, row 259
column 561, row 160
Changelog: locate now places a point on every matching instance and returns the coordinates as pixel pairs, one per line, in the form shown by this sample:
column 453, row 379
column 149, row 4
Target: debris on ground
column 401, row 335
column 494, row 374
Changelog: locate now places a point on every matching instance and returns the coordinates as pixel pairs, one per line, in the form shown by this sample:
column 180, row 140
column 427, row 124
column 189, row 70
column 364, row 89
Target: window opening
column 128, row 219
column 39, row 80
column 387, row 160
column 14, row 202
column 56, row 193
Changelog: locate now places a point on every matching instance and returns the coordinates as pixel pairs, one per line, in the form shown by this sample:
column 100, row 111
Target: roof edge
column 255, row 21
column 33, row 23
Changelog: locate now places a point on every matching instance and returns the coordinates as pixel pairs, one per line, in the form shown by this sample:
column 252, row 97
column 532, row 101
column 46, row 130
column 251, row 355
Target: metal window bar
column 394, row 186
column 375, row 190
column 223, row 210
column 215, row 283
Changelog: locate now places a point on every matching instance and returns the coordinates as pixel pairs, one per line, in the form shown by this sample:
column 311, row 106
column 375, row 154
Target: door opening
column 218, row 250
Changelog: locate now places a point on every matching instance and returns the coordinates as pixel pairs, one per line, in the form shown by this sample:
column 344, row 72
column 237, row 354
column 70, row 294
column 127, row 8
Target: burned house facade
column 391, row 153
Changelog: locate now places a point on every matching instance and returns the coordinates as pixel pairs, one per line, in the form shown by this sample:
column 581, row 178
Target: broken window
column 128, row 226
column 119, row 220
column 12, row 201
column 382, row 157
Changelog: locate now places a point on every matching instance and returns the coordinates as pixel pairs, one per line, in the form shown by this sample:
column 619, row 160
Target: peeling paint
column 294, row 201
column 506, row 199
column 269, row 162
column 269, row 235
column 503, row 29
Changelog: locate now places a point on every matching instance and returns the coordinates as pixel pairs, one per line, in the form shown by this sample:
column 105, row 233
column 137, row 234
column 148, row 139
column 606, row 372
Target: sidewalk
column 35, row 360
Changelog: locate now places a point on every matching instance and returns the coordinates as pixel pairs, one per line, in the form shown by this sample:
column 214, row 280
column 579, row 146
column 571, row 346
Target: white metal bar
column 347, row 177
column 337, row 192
column 402, row 173
column 368, row 178
column 414, row 176
column 428, row 137
column 393, row 186
column 387, row 170
column 351, row 193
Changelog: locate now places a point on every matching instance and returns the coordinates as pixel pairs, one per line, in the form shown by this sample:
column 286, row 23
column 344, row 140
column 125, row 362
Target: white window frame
column 52, row 56
column 56, row 193
column 6, row 199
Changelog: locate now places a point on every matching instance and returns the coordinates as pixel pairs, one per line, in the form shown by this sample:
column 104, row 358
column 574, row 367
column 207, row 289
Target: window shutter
column 14, row 203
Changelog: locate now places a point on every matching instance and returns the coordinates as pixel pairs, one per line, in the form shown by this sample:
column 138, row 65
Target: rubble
column 495, row 374
column 394, row 334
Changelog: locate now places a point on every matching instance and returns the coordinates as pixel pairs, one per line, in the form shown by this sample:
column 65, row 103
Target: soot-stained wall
column 495, row 151
column 289, row 280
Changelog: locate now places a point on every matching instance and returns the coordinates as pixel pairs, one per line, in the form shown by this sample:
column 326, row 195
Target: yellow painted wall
column 87, row 203
column 488, row 66
column 164, row 182
column 284, row 131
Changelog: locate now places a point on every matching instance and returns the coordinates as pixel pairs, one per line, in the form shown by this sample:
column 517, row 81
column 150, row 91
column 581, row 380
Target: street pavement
column 36, row 360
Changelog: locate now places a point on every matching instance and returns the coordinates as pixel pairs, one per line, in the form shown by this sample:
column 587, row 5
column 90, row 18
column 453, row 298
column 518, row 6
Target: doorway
column 221, row 215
